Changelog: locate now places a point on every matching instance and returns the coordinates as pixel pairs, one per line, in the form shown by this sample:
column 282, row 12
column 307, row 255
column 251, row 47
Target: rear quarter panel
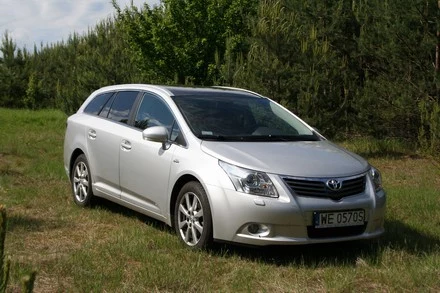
column 75, row 138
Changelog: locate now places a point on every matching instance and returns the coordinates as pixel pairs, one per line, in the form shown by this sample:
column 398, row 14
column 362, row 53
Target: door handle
column 92, row 134
column 125, row 145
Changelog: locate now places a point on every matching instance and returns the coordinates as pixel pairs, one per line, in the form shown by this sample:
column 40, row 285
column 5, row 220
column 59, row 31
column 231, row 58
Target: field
column 110, row 248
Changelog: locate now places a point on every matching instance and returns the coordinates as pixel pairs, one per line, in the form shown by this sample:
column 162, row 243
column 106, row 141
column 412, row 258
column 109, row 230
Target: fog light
column 258, row 229
column 253, row 228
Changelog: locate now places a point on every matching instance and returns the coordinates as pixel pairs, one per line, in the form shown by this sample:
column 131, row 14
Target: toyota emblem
column 334, row 184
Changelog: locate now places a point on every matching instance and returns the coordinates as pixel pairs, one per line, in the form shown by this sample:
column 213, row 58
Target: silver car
column 220, row 164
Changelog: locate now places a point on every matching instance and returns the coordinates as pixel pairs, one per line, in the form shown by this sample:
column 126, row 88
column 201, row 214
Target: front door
column 145, row 165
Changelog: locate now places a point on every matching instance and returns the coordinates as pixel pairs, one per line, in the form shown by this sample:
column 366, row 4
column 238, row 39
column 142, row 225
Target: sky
column 31, row 22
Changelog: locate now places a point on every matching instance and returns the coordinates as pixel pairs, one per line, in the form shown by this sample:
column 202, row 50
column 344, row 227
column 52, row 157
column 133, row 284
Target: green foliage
column 429, row 132
column 347, row 67
column 28, row 283
column 300, row 56
column 371, row 147
column 70, row 71
column 62, row 75
column 4, row 264
column 13, row 75
column 397, row 64
column 179, row 41
column 31, row 92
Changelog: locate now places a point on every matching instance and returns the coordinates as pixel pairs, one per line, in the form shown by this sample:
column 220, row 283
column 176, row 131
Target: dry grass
column 109, row 248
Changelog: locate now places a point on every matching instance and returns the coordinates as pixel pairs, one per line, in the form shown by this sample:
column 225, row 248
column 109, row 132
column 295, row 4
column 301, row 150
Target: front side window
column 98, row 102
column 154, row 112
column 241, row 117
column 122, row 104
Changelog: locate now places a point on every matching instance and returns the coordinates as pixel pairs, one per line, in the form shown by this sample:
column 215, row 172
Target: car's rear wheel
column 81, row 181
column 192, row 216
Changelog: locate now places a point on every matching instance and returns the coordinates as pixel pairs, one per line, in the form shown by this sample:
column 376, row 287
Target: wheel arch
column 75, row 154
column 184, row 179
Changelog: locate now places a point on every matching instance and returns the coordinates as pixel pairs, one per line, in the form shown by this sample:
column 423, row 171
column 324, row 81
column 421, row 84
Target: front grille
column 313, row 232
column 318, row 187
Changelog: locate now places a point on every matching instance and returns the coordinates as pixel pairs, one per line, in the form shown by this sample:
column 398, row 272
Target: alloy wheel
column 190, row 218
column 81, row 182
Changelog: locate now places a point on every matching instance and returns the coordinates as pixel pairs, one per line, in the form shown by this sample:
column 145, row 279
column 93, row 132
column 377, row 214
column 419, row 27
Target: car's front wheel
column 192, row 216
column 81, row 181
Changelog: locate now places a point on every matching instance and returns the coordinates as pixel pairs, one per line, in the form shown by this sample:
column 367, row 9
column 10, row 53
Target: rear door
column 104, row 136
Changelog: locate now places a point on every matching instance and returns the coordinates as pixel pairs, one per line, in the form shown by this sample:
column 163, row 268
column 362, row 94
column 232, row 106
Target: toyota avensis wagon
column 220, row 164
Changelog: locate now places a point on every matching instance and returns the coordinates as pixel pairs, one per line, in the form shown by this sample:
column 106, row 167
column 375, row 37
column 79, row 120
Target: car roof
column 195, row 91
column 183, row 90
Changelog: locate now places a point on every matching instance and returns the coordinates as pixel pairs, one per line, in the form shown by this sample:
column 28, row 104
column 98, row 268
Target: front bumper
column 288, row 220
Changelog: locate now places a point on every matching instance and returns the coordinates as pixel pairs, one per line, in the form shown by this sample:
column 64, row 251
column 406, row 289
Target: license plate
column 339, row 219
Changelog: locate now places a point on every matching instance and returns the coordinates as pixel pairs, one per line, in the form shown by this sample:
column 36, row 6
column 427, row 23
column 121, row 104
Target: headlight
column 376, row 178
column 249, row 181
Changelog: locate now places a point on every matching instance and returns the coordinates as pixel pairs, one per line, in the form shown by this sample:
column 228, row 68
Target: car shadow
column 110, row 206
column 31, row 223
column 398, row 236
column 14, row 222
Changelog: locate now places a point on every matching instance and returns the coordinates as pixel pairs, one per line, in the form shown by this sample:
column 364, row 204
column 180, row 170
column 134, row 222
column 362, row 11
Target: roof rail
column 238, row 89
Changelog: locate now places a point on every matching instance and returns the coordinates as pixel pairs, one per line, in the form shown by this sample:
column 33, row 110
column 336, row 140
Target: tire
column 192, row 216
column 81, row 180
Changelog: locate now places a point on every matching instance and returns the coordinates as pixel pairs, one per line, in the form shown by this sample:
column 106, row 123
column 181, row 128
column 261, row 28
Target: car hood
column 298, row 158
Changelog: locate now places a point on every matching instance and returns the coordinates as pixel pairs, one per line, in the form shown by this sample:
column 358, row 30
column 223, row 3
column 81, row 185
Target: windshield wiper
column 212, row 137
column 259, row 138
column 270, row 137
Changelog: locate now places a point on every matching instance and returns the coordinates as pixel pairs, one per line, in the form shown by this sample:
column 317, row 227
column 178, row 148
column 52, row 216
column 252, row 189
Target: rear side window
column 106, row 109
column 96, row 105
column 120, row 109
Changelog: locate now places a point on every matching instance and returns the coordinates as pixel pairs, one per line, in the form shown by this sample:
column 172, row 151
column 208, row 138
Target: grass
column 110, row 248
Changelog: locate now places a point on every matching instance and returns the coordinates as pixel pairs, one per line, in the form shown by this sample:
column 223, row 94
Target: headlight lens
column 376, row 178
column 249, row 181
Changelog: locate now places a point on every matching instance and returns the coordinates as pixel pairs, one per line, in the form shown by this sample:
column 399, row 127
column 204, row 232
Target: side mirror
column 156, row 134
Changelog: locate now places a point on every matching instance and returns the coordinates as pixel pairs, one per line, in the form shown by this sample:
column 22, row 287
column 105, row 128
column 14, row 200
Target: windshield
column 241, row 117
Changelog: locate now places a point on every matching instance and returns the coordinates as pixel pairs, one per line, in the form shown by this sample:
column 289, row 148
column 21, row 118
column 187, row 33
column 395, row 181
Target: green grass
column 110, row 248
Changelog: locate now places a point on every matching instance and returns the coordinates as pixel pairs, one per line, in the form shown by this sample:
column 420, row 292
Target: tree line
column 348, row 67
